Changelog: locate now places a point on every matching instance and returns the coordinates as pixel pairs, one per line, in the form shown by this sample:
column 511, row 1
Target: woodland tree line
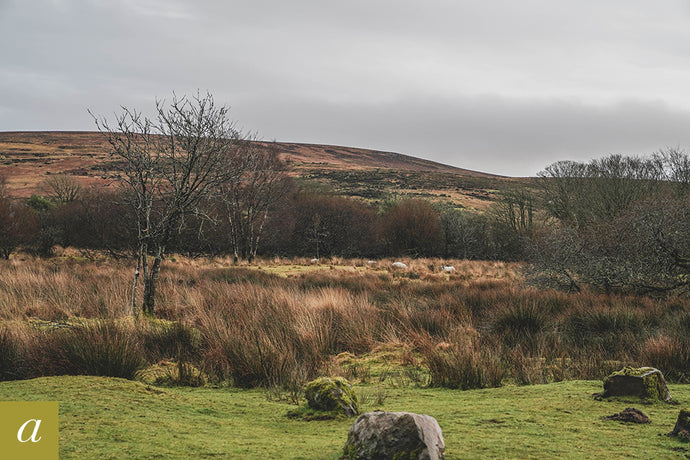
column 191, row 183
column 302, row 222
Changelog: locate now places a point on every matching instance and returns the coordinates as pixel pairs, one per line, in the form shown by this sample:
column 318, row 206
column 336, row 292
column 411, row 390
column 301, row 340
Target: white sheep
column 399, row 265
column 447, row 269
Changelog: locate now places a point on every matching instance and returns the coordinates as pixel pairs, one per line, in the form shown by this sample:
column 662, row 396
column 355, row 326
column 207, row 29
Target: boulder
column 630, row 415
column 682, row 428
column 645, row 382
column 394, row 435
column 332, row 395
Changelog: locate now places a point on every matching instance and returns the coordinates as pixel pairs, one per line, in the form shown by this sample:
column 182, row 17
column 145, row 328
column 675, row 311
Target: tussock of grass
column 97, row 348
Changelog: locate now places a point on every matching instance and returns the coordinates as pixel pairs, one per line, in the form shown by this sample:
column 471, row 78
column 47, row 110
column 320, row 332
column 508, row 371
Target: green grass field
column 114, row 418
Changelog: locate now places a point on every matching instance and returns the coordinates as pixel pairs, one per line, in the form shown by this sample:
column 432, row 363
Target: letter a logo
column 32, row 438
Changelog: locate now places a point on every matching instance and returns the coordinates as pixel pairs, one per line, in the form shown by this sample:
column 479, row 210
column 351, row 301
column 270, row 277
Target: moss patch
column 633, row 371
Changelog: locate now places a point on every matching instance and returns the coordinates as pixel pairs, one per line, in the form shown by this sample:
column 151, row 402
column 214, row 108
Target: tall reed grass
column 269, row 325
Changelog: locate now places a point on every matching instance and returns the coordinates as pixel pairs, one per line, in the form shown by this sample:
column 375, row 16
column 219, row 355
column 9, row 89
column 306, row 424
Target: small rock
column 332, row 394
column 389, row 435
column 630, row 415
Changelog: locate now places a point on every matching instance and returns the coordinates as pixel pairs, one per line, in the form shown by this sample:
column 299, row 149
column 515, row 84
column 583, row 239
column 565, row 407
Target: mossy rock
column 682, row 428
column 332, row 395
column 645, row 382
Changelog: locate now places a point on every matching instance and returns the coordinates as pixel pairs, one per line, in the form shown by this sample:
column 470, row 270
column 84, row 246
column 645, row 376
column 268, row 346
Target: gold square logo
column 29, row 430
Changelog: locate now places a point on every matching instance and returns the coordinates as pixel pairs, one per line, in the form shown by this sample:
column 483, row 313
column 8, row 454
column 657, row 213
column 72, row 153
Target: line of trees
column 299, row 222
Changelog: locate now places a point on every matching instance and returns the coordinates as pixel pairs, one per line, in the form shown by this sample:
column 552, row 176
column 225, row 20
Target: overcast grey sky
column 501, row 86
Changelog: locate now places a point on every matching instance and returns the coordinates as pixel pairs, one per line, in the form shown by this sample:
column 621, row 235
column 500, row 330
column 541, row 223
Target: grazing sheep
column 447, row 269
column 372, row 262
column 399, row 265
column 315, row 261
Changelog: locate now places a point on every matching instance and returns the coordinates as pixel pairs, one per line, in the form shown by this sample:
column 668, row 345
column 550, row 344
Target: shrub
column 96, row 348
column 670, row 355
column 614, row 332
column 12, row 356
column 258, row 342
column 169, row 340
column 463, row 366
column 521, row 324
column 254, row 359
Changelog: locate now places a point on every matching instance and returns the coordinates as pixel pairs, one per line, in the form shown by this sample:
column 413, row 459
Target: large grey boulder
column 391, row 435
column 645, row 382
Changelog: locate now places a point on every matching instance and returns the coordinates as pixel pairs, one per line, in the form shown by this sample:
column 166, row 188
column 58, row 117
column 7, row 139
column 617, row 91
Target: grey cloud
column 499, row 86
column 492, row 134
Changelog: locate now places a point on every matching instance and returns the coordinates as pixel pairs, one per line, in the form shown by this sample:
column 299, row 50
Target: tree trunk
column 150, row 282
column 135, row 285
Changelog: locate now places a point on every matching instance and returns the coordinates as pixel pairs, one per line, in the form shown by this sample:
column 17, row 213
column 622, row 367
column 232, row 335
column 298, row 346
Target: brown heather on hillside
column 28, row 158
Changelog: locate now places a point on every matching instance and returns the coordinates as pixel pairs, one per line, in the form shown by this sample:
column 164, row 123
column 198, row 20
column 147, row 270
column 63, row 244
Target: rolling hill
column 28, row 158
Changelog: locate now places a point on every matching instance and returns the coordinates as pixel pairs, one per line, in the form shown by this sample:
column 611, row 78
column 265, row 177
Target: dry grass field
column 280, row 323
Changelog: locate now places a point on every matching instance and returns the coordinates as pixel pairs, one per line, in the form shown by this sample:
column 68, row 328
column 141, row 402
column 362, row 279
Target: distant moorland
column 28, row 158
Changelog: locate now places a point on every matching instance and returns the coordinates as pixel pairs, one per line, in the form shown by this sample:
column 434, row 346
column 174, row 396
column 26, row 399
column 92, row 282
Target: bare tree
column 317, row 233
column 620, row 223
column 169, row 164
column 515, row 209
column 249, row 200
column 62, row 188
column 675, row 164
